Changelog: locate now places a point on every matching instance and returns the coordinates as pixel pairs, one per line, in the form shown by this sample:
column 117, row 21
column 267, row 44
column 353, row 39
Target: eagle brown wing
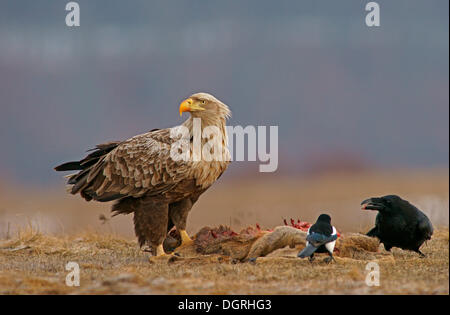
column 138, row 166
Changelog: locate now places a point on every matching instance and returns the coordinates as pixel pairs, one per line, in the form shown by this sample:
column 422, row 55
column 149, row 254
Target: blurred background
column 361, row 111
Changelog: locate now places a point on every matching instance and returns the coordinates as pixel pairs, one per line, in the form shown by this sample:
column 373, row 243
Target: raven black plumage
column 398, row 223
column 321, row 238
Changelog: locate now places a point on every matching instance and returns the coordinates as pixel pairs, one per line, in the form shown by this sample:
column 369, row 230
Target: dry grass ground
column 41, row 230
column 33, row 263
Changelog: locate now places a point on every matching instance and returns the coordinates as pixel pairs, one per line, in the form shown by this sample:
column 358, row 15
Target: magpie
column 398, row 223
column 321, row 238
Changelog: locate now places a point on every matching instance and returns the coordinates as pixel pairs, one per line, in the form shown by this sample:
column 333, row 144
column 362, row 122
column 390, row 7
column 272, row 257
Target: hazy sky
column 335, row 87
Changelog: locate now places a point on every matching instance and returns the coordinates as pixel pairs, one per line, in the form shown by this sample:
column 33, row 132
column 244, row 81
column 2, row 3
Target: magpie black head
column 324, row 218
column 389, row 203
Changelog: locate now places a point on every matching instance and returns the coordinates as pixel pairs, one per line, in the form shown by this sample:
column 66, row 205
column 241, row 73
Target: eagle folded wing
column 138, row 166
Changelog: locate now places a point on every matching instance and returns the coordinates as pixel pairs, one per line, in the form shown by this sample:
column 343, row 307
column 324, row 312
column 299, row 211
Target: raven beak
column 372, row 204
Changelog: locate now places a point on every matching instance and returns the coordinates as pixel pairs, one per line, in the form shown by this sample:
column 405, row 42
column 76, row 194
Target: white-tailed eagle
column 142, row 178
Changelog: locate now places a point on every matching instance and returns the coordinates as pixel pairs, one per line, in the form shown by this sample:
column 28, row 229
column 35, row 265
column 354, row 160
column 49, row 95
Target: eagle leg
column 150, row 223
column 178, row 213
column 185, row 239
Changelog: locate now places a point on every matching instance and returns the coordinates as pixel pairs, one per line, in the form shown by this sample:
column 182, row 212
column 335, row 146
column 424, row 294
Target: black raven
column 398, row 223
column 321, row 238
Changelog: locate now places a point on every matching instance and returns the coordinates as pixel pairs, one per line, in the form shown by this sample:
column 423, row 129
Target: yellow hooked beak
column 189, row 105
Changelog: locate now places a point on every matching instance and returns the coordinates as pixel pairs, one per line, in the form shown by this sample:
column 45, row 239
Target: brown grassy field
column 35, row 264
column 39, row 234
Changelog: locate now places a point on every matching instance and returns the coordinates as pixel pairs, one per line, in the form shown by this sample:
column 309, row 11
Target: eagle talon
column 185, row 239
column 161, row 258
column 185, row 242
column 160, row 255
